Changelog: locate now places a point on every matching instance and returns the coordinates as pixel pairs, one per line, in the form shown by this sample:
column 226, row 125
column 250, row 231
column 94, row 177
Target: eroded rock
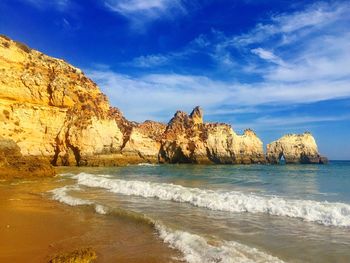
column 84, row 255
column 188, row 140
column 53, row 111
column 14, row 165
column 295, row 148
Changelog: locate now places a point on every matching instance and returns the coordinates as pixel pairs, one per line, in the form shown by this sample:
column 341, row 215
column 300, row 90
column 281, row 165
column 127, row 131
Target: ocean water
column 226, row 213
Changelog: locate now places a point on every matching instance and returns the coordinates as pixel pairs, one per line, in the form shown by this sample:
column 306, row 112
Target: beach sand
column 34, row 228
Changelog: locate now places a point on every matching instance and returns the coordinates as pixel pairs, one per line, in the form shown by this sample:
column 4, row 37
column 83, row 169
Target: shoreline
column 34, row 228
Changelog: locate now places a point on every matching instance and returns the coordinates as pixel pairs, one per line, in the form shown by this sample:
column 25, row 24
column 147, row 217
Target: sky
column 274, row 66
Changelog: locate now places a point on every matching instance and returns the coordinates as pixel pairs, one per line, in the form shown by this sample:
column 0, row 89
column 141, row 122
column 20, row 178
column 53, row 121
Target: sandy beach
column 34, row 228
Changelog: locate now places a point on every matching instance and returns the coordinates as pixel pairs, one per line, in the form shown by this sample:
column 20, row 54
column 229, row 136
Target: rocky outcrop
column 187, row 139
column 295, row 148
column 14, row 165
column 52, row 111
column 84, row 255
column 144, row 142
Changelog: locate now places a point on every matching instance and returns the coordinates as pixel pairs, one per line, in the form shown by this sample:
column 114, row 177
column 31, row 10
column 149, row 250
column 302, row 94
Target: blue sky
column 275, row 66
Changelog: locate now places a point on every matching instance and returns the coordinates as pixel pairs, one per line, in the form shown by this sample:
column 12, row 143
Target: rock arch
column 296, row 148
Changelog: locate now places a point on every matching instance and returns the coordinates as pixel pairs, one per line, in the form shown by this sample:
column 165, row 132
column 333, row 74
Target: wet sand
column 34, row 228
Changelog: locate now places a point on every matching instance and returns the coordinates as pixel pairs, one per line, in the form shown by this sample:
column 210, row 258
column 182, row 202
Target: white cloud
column 169, row 92
column 289, row 122
column 150, row 61
column 322, row 58
column 157, row 60
column 313, row 65
column 312, row 45
column 293, row 120
column 132, row 6
column 158, row 92
column 267, row 55
column 289, row 26
column 140, row 12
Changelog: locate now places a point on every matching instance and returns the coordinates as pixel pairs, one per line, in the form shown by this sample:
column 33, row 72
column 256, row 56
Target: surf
column 195, row 248
column 325, row 213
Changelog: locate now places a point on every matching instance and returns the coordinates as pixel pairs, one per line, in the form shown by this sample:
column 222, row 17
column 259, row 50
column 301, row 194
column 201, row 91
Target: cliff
column 295, row 148
column 52, row 111
column 187, row 139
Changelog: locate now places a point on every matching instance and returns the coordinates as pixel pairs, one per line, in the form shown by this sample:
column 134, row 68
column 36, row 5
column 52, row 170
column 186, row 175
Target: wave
column 326, row 213
column 195, row 249
column 61, row 195
column 147, row 164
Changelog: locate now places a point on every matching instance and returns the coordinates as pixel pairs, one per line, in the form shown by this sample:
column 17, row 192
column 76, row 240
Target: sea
column 226, row 213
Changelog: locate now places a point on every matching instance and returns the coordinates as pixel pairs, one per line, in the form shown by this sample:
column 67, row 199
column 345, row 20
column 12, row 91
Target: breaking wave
column 195, row 249
column 326, row 213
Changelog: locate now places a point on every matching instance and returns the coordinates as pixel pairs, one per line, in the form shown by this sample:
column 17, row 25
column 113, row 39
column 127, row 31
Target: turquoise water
column 228, row 213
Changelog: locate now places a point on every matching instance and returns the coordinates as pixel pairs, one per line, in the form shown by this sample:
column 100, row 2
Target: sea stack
column 295, row 148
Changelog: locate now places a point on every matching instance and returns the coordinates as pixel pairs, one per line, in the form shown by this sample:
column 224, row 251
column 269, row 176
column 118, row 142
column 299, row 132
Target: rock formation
column 187, row 139
column 83, row 255
column 144, row 142
column 14, row 165
column 51, row 110
column 295, row 148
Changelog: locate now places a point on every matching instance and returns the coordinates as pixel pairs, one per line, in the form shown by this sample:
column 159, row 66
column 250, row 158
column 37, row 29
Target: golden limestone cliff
column 187, row 139
column 295, row 148
column 51, row 110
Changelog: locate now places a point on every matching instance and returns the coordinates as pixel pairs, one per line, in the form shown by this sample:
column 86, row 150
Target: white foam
column 330, row 214
column 100, row 209
column 197, row 249
column 147, row 164
column 61, row 195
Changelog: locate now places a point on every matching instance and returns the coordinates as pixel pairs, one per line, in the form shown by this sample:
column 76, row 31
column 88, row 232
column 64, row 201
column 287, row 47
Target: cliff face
column 295, row 148
column 187, row 139
column 51, row 110
column 144, row 142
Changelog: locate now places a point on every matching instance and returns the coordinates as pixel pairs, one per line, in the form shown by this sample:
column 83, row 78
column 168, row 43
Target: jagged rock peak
column 249, row 132
column 197, row 115
column 180, row 117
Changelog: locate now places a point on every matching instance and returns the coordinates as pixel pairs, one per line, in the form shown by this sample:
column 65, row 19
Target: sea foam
column 326, row 213
column 61, row 195
column 195, row 249
column 147, row 164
